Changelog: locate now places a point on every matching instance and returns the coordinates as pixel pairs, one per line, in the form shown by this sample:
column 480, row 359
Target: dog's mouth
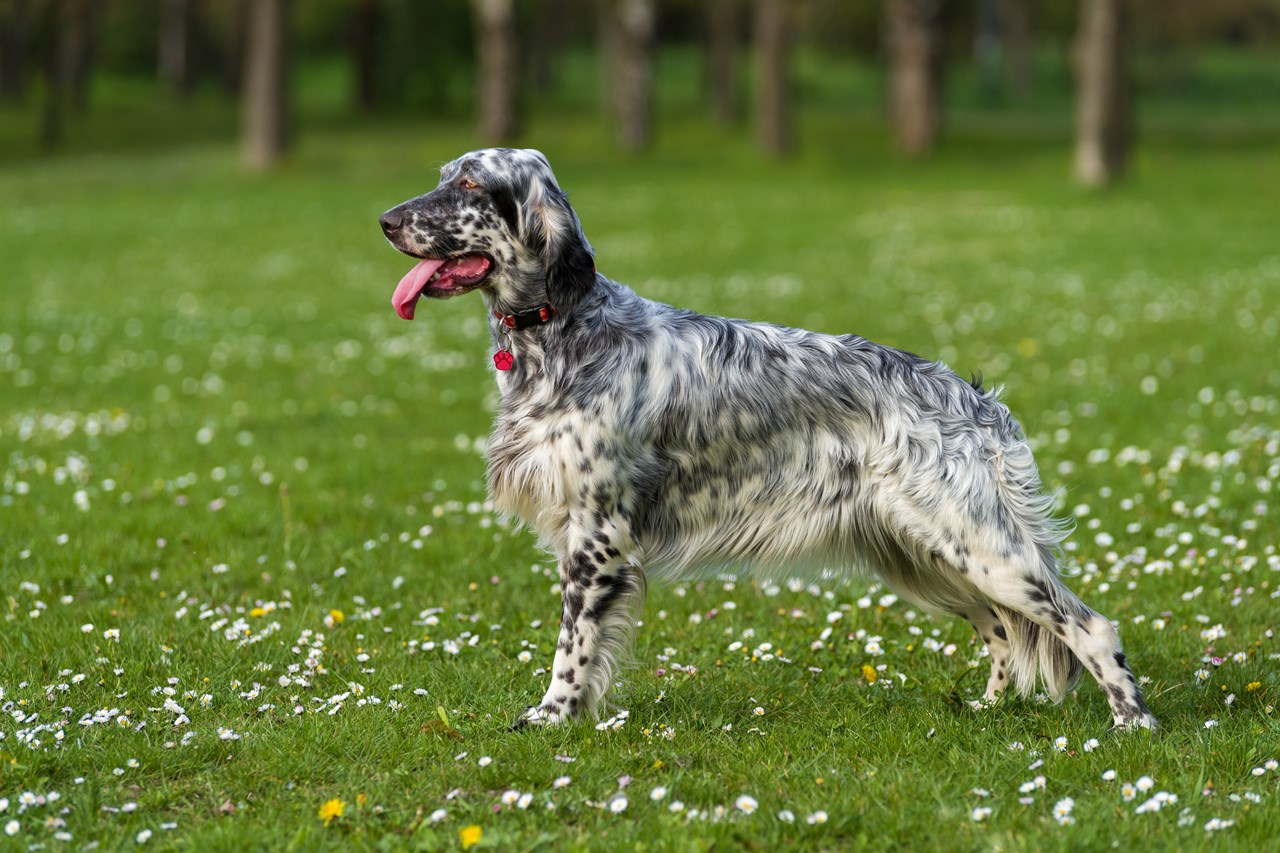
column 439, row 278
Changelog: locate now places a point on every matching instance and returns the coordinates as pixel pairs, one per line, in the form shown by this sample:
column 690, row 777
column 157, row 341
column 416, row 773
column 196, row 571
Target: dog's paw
column 539, row 715
column 1133, row 724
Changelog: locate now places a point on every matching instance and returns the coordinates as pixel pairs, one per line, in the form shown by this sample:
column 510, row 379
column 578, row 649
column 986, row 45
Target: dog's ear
column 550, row 228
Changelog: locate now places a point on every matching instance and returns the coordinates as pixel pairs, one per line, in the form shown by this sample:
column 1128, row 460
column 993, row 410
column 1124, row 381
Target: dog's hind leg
column 985, row 621
column 600, row 591
column 1051, row 632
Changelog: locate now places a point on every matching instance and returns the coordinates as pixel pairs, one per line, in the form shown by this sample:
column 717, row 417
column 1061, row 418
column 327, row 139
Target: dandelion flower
column 469, row 836
column 332, row 809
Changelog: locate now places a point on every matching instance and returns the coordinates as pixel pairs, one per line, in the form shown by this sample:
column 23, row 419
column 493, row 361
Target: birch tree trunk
column 495, row 22
column 632, row 72
column 1103, row 121
column 913, row 32
column 265, row 128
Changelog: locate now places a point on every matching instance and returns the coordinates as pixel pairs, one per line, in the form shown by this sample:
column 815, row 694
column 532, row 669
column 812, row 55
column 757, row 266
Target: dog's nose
column 391, row 221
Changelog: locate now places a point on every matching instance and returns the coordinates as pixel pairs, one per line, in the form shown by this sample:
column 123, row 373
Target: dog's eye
column 468, row 184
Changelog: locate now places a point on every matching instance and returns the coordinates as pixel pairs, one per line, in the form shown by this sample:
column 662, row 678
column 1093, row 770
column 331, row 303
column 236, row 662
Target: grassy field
column 249, row 579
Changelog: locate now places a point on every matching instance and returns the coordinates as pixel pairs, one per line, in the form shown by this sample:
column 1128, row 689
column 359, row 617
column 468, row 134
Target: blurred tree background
column 92, row 74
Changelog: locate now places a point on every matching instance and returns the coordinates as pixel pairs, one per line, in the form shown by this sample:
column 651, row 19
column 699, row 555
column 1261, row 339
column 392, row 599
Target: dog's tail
column 1036, row 655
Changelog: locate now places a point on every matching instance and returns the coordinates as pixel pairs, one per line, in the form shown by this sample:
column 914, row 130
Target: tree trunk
column 722, row 43
column 1015, row 29
column 495, row 23
column 773, row 90
column 1102, row 97
column 632, row 69
column 266, row 99
column 171, row 48
column 915, row 62
column 15, row 40
column 366, row 17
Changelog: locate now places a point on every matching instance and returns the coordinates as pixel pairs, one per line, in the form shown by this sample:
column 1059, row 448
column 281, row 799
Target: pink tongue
column 410, row 287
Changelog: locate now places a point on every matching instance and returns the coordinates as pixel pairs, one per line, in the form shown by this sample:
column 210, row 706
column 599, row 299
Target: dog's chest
column 543, row 462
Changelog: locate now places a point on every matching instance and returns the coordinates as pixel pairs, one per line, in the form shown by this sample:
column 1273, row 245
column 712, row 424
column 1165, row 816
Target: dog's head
column 498, row 221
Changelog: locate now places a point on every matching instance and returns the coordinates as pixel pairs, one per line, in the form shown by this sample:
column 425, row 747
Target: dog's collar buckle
column 534, row 316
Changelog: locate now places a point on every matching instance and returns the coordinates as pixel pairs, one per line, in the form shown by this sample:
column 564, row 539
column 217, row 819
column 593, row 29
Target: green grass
column 212, row 361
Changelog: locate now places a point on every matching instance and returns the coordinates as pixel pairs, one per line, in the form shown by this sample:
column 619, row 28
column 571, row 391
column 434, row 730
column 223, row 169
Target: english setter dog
column 640, row 439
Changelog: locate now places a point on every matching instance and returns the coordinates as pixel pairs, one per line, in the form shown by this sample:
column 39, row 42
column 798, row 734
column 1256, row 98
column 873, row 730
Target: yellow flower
column 331, row 809
column 258, row 611
column 469, row 836
column 869, row 673
column 361, row 799
column 1253, row 685
column 335, row 617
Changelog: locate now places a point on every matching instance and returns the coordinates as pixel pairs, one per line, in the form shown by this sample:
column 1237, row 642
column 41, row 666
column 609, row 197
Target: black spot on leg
column 615, row 586
column 1001, row 633
column 573, row 603
column 573, row 705
column 567, row 676
column 1120, row 661
column 583, row 660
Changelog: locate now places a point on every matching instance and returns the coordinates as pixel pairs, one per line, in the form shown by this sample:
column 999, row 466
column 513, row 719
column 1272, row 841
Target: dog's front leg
column 599, row 590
